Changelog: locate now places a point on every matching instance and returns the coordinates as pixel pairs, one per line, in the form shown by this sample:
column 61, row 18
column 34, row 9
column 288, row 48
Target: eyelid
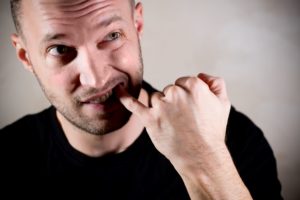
column 58, row 45
column 62, row 54
column 109, row 34
column 48, row 49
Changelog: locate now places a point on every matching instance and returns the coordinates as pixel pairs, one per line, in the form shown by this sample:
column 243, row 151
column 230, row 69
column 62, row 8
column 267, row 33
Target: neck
column 99, row 145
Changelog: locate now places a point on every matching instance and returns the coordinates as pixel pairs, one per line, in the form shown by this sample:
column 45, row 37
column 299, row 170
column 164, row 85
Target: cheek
column 64, row 82
column 123, row 59
column 62, row 78
column 127, row 60
column 54, row 79
column 59, row 83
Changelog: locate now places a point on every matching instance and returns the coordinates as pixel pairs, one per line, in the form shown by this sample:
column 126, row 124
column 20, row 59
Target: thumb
column 216, row 85
column 131, row 103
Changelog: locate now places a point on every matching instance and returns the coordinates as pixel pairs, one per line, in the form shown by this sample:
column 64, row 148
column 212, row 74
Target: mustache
column 86, row 93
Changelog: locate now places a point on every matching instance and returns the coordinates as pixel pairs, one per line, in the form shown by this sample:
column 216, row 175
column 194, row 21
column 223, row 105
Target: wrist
column 204, row 160
column 213, row 176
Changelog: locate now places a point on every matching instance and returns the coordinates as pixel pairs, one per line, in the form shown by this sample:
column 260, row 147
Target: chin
column 115, row 124
column 103, row 125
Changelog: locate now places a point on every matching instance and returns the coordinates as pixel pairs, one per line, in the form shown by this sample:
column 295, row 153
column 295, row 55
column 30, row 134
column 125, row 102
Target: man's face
column 80, row 51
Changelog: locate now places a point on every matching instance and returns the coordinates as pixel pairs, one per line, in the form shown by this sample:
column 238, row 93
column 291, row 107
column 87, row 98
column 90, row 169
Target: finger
column 191, row 84
column 131, row 103
column 167, row 88
column 156, row 98
column 216, row 85
column 182, row 82
column 172, row 92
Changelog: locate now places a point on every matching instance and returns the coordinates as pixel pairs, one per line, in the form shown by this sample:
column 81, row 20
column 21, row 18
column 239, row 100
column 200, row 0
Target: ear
column 139, row 19
column 21, row 52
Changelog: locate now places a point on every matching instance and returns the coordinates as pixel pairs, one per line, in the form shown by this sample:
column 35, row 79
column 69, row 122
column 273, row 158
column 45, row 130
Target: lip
column 106, row 94
column 99, row 98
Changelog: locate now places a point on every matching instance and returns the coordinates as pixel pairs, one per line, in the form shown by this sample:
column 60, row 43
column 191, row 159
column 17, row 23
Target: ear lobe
column 21, row 52
column 138, row 18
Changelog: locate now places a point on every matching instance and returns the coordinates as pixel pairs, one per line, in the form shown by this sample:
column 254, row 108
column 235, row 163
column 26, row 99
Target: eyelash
column 115, row 35
column 65, row 48
column 119, row 35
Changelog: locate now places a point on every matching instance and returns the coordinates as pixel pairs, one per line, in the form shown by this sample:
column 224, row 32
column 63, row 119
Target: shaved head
column 80, row 51
column 16, row 12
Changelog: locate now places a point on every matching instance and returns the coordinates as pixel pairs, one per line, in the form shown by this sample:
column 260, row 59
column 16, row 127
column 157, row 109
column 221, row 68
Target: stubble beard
column 96, row 125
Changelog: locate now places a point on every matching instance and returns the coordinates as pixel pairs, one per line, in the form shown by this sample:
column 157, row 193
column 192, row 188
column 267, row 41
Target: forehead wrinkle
column 54, row 11
column 63, row 18
column 78, row 7
column 65, row 2
column 70, row 3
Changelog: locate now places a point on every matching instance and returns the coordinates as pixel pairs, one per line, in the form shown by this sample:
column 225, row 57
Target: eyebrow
column 106, row 22
column 103, row 23
column 55, row 36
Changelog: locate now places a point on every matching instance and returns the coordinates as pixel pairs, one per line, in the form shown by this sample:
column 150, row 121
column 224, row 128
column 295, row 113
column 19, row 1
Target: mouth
column 100, row 99
column 106, row 98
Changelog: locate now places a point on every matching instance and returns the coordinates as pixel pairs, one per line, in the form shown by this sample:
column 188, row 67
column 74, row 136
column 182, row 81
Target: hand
column 187, row 120
column 187, row 123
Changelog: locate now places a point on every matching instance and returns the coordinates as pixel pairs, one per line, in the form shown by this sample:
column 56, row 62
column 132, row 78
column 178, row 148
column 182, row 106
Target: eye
column 112, row 36
column 62, row 54
column 61, row 50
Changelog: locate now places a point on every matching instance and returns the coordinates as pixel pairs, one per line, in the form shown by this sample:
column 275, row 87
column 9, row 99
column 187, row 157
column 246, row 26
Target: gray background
column 254, row 45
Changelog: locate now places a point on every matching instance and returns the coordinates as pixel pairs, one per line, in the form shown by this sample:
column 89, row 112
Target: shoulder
column 23, row 142
column 243, row 135
column 253, row 156
column 26, row 123
column 243, row 121
column 244, row 138
column 26, row 133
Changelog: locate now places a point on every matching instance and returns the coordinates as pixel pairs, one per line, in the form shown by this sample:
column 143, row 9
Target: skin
column 98, row 61
column 73, row 68
column 197, row 150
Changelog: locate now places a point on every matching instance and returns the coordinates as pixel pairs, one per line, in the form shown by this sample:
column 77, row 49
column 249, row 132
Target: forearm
column 187, row 123
column 214, row 177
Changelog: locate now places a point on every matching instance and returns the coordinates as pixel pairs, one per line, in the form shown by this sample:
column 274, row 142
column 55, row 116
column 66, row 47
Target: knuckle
column 166, row 89
column 155, row 95
column 182, row 80
column 201, row 85
column 192, row 82
column 169, row 89
column 156, row 99
column 179, row 80
column 194, row 79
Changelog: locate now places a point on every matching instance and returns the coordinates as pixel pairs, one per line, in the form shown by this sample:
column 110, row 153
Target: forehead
column 75, row 8
column 69, row 12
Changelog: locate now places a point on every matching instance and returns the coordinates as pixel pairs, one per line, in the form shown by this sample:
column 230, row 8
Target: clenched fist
column 187, row 119
column 187, row 123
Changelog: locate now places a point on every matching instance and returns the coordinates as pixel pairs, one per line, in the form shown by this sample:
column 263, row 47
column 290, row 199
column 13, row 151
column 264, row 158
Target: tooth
column 102, row 99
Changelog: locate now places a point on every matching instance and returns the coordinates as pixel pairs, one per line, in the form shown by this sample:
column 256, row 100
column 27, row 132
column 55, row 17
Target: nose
column 93, row 69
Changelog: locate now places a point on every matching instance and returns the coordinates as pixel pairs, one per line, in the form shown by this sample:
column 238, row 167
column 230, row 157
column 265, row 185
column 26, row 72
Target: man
column 185, row 142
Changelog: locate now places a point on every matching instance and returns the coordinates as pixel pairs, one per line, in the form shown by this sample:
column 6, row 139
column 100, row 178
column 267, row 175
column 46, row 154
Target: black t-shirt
column 36, row 146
